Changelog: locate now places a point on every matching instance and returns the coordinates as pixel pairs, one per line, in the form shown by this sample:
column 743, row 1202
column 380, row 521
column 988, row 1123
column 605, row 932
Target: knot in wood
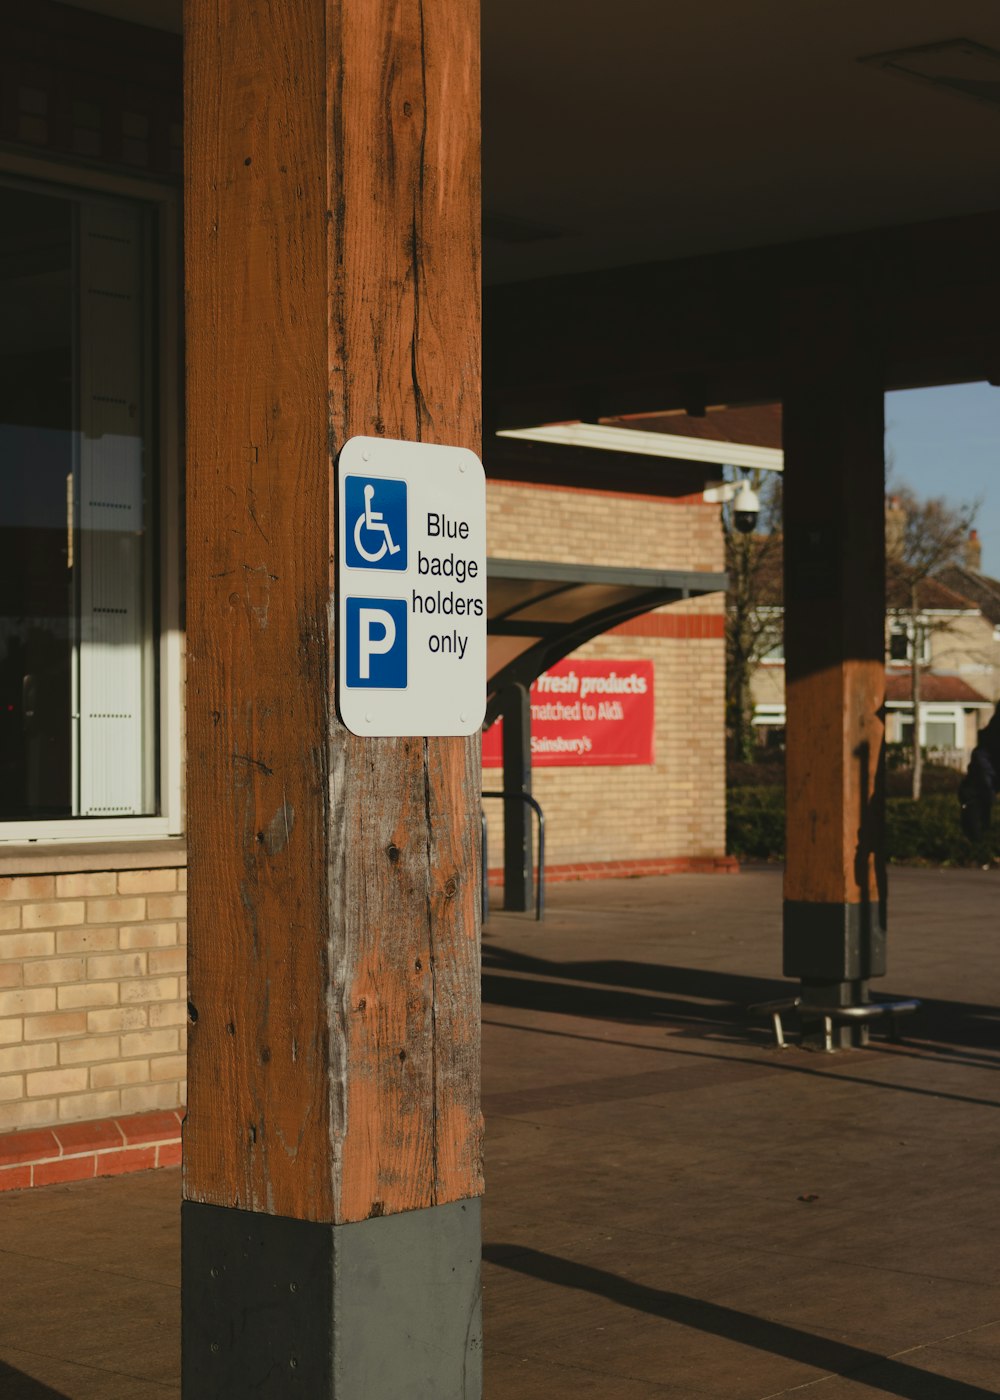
column 450, row 888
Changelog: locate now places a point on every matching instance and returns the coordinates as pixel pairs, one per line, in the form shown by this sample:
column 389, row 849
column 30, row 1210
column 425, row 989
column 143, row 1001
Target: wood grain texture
column 833, row 500
column 332, row 236
column 405, row 352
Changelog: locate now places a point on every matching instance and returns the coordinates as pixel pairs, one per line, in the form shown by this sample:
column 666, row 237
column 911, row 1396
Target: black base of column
column 833, row 942
column 834, row 949
column 384, row 1309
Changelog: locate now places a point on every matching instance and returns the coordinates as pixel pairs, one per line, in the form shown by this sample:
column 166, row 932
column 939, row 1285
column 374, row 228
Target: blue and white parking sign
column 411, row 588
column 375, row 535
column 376, row 643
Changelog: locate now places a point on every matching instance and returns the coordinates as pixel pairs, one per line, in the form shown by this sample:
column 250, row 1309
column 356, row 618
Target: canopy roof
column 539, row 611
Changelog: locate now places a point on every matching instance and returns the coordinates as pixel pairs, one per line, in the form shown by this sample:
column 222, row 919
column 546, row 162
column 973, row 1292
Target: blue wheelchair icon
column 375, row 510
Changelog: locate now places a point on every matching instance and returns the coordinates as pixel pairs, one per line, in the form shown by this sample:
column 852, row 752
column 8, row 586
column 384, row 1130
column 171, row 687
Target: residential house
column 957, row 631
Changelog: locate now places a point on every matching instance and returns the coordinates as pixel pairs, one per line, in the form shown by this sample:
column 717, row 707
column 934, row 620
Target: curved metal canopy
column 539, row 611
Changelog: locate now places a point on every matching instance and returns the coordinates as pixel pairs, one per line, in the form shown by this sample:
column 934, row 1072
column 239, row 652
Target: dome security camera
column 746, row 509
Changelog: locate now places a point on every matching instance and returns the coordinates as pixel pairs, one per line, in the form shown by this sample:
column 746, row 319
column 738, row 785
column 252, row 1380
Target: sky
column 946, row 442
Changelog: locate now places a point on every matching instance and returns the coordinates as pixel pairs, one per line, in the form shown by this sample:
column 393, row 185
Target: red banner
column 586, row 714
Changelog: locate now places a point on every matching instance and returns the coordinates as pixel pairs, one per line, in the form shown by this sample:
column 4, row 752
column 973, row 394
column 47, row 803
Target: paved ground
column 675, row 1209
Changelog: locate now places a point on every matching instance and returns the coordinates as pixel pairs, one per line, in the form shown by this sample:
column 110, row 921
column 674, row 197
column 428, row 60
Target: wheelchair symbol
column 375, row 516
column 372, row 522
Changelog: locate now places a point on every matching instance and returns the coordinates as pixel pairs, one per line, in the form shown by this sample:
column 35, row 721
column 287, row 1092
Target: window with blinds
column 78, row 686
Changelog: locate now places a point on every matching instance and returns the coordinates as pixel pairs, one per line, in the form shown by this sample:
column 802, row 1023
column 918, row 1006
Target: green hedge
column 926, row 831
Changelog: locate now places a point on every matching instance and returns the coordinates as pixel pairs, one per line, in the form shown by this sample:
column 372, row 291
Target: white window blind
column 114, row 645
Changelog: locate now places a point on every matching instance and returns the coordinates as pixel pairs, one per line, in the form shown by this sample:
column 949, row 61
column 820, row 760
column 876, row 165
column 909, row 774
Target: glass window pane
column 77, row 654
column 36, row 467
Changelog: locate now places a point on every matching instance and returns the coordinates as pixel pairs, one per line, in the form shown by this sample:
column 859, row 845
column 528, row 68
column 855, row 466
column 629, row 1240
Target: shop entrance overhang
column 539, row 611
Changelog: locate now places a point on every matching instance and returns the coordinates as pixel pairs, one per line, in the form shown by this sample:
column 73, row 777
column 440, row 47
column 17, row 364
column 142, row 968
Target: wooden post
column 333, row 1138
column 834, row 513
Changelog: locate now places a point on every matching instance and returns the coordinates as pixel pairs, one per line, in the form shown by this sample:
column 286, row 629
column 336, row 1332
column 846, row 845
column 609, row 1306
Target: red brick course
column 686, row 626
column 81, row 1151
column 627, row 869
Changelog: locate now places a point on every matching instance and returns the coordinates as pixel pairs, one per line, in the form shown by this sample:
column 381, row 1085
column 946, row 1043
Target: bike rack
column 540, row 879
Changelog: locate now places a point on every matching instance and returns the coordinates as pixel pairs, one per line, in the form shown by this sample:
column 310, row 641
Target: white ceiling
column 648, row 129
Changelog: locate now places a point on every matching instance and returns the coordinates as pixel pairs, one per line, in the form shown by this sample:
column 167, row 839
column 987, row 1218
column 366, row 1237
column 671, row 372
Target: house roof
column 932, row 594
column 935, row 689
column 942, row 593
column 983, row 590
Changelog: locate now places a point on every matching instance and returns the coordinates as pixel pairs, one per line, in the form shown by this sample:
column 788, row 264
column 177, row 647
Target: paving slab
column 675, row 1208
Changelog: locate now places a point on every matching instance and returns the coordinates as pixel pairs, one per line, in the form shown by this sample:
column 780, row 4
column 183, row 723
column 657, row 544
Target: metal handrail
column 540, row 880
column 484, row 888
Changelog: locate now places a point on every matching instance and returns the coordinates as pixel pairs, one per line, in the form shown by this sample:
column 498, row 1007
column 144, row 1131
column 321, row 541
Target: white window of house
column 941, row 727
column 769, row 715
column 89, row 646
column 772, row 623
column 901, row 642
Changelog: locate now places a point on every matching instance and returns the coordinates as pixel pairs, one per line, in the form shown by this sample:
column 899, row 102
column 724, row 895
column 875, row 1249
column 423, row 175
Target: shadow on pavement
column 631, row 991
column 777, row 1062
column 894, row 1377
column 15, row 1385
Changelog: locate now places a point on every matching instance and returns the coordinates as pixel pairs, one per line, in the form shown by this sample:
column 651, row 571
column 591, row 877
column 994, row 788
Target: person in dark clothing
column 982, row 780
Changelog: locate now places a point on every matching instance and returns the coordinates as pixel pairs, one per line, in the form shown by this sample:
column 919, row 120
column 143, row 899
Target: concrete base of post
column 382, row 1309
column 834, row 949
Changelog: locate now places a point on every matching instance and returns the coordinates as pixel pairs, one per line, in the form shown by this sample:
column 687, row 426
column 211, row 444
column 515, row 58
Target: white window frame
column 931, row 711
column 61, row 175
column 770, row 615
column 947, row 714
column 769, row 716
column 899, row 627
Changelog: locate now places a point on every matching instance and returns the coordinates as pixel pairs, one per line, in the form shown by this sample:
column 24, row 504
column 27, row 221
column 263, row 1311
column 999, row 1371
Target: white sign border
column 457, row 706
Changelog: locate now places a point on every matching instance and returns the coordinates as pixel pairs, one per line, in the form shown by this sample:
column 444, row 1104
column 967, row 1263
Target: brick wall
column 92, row 995
column 572, row 526
column 674, row 809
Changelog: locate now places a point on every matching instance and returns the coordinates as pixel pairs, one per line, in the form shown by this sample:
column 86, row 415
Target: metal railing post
column 535, row 806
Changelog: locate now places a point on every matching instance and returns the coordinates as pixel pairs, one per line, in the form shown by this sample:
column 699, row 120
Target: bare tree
column 922, row 537
column 754, row 623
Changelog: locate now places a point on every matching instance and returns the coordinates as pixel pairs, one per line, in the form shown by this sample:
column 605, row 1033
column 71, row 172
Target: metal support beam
column 518, row 861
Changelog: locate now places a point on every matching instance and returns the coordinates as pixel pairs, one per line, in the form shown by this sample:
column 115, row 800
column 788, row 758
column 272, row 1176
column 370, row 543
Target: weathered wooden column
column 834, row 914
column 333, row 1140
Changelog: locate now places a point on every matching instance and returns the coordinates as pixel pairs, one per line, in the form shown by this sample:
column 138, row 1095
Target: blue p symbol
column 376, row 643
